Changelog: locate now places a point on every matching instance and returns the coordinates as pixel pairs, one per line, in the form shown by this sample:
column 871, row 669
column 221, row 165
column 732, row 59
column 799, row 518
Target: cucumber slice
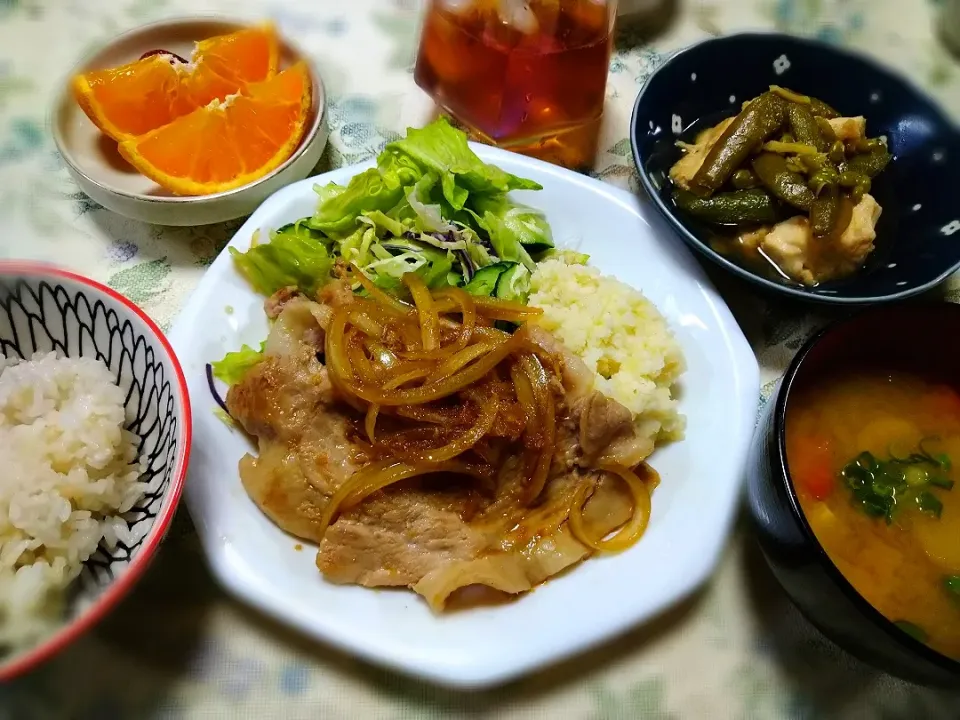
column 484, row 281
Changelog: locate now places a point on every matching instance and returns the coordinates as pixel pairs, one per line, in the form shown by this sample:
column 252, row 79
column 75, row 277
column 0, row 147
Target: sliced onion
column 379, row 475
column 632, row 530
column 366, row 323
column 468, row 312
column 385, row 300
column 383, row 355
column 485, row 420
column 403, row 378
column 546, row 420
column 358, row 358
column 428, row 414
column 494, row 308
column 370, row 422
column 524, row 393
column 429, row 320
column 404, row 471
column 480, row 331
column 335, row 346
column 497, row 309
column 447, row 386
column 458, row 360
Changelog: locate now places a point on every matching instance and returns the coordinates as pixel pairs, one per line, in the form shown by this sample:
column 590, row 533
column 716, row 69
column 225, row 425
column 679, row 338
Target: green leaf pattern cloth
column 179, row 647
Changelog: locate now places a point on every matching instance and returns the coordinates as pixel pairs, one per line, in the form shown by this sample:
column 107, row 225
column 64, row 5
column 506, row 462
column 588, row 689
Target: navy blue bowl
column 918, row 234
column 890, row 336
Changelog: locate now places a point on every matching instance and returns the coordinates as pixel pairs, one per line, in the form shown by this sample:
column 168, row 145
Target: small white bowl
column 43, row 308
column 94, row 162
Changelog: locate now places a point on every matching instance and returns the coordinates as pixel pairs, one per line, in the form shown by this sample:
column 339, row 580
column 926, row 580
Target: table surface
column 178, row 647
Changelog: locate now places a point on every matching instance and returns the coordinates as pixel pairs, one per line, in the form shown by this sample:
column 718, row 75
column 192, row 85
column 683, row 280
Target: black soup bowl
column 896, row 335
column 918, row 234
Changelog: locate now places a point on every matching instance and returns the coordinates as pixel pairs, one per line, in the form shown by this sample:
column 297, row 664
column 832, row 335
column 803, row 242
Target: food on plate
column 70, row 471
column 420, row 444
column 445, row 401
column 620, row 336
column 873, row 456
column 227, row 144
column 430, row 207
column 219, row 121
column 786, row 183
column 133, row 99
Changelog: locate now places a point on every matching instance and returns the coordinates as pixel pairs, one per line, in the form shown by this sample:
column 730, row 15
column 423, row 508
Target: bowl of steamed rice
column 94, row 442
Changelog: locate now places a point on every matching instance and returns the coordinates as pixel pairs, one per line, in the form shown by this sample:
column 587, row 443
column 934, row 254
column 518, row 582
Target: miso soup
column 875, row 460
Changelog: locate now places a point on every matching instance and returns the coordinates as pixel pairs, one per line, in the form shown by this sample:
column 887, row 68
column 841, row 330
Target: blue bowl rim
column 876, row 618
column 694, row 241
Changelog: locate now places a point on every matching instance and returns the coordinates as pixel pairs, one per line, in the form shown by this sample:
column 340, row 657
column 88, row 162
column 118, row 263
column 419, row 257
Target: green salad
column 431, row 207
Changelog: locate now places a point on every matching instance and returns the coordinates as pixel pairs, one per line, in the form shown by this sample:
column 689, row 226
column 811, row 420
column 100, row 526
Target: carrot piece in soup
column 812, row 469
column 943, row 400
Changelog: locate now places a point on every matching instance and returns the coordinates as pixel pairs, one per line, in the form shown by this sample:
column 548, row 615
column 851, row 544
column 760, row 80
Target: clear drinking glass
column 527, row 75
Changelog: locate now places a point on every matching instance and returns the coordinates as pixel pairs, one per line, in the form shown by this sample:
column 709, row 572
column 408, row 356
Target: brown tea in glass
column 529, row 76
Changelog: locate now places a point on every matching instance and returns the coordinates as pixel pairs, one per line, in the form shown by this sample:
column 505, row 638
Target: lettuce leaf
column 442, row 149
column 383, row 224
column 235, row 365
column 567, row 257
column 339, row 207
column 526, row 225
column 432, row 264
column 504, row 240
column 429, row 216
column 514, row 284
column 376, row 189
column 293, row 257
column 395, row 167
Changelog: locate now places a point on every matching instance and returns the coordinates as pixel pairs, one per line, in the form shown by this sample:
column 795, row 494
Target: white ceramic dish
column 692, row 508
column 95, row 164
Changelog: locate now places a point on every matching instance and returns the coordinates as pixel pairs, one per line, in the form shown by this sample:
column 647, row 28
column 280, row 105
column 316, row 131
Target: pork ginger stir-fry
column 420, row 445
column 786, row 182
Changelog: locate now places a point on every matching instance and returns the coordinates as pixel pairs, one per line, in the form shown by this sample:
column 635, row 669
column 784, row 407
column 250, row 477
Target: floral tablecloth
column 179, row 647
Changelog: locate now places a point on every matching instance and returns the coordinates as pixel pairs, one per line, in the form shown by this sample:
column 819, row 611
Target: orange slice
column 228, row 143
column 135, row 98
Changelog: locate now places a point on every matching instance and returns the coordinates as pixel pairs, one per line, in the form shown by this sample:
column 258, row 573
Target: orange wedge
column 135, row 98
column 228, row 143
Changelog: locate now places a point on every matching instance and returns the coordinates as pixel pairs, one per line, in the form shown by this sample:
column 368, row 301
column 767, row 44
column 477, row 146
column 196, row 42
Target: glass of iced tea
column 526, row 75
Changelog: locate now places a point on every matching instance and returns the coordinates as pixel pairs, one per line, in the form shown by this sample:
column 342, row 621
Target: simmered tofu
column 849, row 128
column 856, row 242
column 790, row 245
column 686, row 167
column 787, row 246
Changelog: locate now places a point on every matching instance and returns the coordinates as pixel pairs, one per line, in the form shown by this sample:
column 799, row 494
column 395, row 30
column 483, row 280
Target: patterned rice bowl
column 43, row 309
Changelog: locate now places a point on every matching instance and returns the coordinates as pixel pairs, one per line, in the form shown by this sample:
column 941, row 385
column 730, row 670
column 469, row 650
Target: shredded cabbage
column 430, row 206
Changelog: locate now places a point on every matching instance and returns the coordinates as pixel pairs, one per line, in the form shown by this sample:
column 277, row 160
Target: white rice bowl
column 69, row 472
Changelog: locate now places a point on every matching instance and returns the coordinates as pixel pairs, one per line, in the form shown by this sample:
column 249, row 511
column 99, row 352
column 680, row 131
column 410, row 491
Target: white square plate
column 692, row 508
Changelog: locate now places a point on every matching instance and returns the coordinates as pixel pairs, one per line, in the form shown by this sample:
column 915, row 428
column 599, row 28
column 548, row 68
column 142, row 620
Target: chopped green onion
column 930, row 503
column 790, row 95
column 941, row 482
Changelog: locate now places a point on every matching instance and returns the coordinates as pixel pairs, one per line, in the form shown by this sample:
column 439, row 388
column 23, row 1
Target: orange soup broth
column 899, row 568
